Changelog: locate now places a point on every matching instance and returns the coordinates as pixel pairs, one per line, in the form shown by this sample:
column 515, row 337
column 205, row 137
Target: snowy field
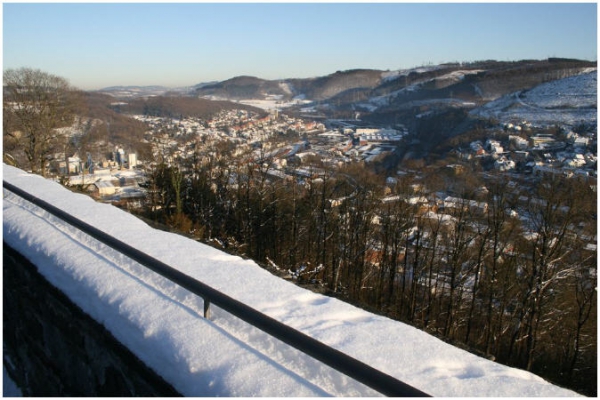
column 271, row 103
column 163, row 325
column 567, row 101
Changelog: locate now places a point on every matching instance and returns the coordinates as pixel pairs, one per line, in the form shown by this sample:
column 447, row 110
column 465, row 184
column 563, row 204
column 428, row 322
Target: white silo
column 132, row 158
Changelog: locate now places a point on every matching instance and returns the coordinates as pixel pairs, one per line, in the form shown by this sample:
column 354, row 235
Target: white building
column 576, row 162
column 504, row 164
column 132, row 160
column 518, row 142
column 581, row 142
column 74, row 166
column 105, row 188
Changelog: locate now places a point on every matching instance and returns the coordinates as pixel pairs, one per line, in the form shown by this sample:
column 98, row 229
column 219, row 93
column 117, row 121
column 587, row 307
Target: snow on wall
column 163, row 325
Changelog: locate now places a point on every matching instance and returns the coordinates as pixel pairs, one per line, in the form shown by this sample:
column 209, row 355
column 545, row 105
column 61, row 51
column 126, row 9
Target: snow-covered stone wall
column 52, row 348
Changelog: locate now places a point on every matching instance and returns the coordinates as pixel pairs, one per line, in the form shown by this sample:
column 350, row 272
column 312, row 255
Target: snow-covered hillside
column 163, row 323
column 567, row 101
column 400, row 73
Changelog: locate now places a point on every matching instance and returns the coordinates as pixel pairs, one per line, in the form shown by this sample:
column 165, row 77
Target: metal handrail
column 341, row 362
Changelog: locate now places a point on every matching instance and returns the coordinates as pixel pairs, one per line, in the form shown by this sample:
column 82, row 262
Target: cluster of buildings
column 353, row 144
column 237, row 125
column 177, row 139
column 114, row 178
column 75, row 165
column 514, row 149
column 121, row 175
column 567, row 153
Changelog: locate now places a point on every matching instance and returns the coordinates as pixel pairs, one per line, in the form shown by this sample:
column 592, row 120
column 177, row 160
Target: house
column 74, row 166
column 477, row 148
column 518, row 142
column 494, row 146
column 450, row 202
column 104, row 188
column 504, row 164
column 543, row 141
column 577, row 161
column 581, row 142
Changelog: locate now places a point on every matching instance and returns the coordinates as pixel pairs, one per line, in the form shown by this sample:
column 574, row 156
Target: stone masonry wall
column 52, row 348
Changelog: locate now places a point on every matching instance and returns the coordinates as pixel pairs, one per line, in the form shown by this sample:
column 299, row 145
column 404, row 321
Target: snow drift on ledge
column 163, row 325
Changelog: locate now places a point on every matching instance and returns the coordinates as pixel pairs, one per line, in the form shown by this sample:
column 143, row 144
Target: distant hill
column 106, row 104
column 240, row 88
column 320, row 88
column 112, row 126
column 141, row 91
column 377, row 93
column 340, row 82
column 181, row 106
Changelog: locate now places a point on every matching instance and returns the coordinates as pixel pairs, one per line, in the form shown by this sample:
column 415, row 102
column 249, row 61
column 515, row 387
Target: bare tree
column 552, row 210
column 36, row 104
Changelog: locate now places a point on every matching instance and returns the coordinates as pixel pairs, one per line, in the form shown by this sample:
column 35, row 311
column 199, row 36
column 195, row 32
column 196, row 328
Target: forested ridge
column 499, row 268
column 181, row 107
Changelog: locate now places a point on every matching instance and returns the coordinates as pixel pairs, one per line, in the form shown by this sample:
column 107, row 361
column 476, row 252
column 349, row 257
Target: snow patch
column 568, row 101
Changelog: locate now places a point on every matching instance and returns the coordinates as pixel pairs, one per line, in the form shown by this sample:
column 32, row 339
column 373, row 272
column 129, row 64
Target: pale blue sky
column 105, row 44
